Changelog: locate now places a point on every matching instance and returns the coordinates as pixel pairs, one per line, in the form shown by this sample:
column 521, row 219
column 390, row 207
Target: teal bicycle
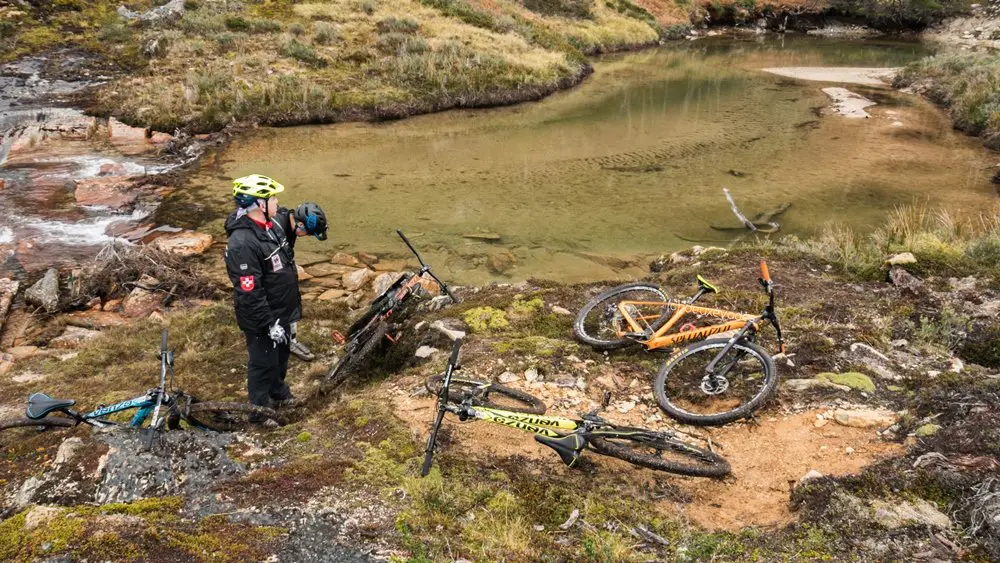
column 162, row 408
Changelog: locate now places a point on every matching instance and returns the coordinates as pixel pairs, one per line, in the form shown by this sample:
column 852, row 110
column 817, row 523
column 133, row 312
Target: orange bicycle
column 712, row 381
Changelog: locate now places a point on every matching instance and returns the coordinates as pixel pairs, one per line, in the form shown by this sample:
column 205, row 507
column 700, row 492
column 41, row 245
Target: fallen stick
column 736, row 211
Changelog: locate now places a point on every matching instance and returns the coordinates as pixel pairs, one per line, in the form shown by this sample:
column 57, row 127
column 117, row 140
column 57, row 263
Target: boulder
column 875, row 361
column 73, row 337
column 871, row 418
column 357, row 279
column 328, row 269
column 901, row 259
column 331, row 294
column 111, row 305
column 345, row 259
column 45, row 292
column 171, row 10
column 908, row 513
column 303, row 275
column 113, row 192
column 184, row 243
column 141, row 302
column 368, row 259
column 500, row 263
column 384, row 281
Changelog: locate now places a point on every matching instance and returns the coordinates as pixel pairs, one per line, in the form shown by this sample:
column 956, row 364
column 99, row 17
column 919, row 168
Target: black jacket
column 261, row 266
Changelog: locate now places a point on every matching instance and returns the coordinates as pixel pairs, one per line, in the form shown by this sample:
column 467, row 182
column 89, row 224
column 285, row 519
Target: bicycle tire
column 353, row 359
column 54, row 422
column 591, row 336
column 506, row 398
column 621, row 443
column 675, row 406
column 228, row 417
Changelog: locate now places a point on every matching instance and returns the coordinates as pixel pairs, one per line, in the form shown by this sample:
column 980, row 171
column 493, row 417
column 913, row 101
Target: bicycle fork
column 713, row 380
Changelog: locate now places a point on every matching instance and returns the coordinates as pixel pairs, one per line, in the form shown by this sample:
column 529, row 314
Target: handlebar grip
column 163, row 340
column 453, row 361
column 764, row 274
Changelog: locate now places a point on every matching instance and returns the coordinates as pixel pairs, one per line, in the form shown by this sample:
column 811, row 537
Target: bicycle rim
column 228, row 417
column 356, row 355
column 485, row 394
column 659, row 451
column 743, row 380
column 600, row 322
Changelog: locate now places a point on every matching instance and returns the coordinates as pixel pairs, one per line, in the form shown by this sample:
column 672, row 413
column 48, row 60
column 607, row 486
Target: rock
column 331, row 294
column 812, row 474
column 171, row 10
column 19, row 353
column 155, row 47
column 875, row 361
column 345, row 259
column 68, row 450
column 302, row 274
column 45, row 292
column 368, row 259
column 901, row 343
column 8, row 291
column 113, row 192
column 509, row 377
column 500, row 262
column 425, row 352
column 184, row 243
column 329, row 282
column 357, row 279
column 865, row 418
column 561, row 311
column 432, row 287
column 73, row 337
column 531, row 375
column 355, row 300
column 797, row 385
column 41, row 515
column 901, row 259
column 328, row 269
column 140, row 303
column 112, row 169
column 851, row 379
column 111, row 305
column 659, row 264
column 485, row 236
column 305, row 258
column 957, row 365
column 384, row 281
column 452, row 333
column 625, row 407
column 6, row 363
column 927, row 430
column 918, row 512
column 906, row 282
column 391, row 266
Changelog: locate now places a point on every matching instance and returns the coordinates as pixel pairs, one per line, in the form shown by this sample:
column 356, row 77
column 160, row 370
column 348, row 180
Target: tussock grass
column 967, row 83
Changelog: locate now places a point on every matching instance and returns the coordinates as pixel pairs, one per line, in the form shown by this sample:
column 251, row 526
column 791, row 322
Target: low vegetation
column 968, row 84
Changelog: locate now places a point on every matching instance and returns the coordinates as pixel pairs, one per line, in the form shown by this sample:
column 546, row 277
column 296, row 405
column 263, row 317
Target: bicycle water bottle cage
column 40, row 404
column 706, row 285
column 568, row 447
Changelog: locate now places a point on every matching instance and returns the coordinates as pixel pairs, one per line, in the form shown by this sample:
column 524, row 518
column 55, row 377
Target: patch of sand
column 849, row 104
column 843, row 75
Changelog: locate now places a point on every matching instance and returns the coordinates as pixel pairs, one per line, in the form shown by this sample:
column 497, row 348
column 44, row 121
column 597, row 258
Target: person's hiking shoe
column 300, row 351
column 289, row 403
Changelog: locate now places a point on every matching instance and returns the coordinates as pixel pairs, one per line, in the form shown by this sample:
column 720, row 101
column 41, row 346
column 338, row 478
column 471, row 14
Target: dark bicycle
column 373, row 328
column 660, row 450
column 163, row 408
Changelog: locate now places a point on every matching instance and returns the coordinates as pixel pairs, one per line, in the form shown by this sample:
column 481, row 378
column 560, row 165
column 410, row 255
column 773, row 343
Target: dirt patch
column 767, row 458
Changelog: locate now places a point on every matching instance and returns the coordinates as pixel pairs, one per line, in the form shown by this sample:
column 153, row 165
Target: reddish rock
column 345, row 260
column 303, row 275
column 369, row 259
column 357, row 279
column 384, row 281
column 112, row 169
column 18, row 353
column 112, row 192
column 430, row 286
column 184, row 243
column 112, row 305
column 73, row 337
column 332, row 294
column 141, row 303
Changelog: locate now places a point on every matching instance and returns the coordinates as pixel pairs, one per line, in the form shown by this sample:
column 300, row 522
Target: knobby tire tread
column 578, row 324
column 350, row 362
column 711, row 464
column 55, row 422
column 218, row 407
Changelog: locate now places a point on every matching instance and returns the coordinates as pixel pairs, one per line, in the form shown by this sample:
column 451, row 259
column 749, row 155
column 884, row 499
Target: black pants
column 266, row 370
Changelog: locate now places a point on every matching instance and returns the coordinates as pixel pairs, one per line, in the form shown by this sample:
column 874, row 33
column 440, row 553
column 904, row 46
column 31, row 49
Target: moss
column 852, row 379
column 522, row 307
column 485, row 320
column 303, row 437
column 927, row 430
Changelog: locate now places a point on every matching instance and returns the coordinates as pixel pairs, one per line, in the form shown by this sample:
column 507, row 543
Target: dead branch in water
column 736, row 211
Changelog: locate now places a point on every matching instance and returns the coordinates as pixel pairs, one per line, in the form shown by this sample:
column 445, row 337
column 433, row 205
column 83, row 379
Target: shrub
column 265, row 26
column 236, row 23
column 302, row 52
column 325, row 33
column 366, row 6
column 397, row 25
column 675, row 31
column 225, row 42
column 400, row 44
column 296, row 29
column 115, row 33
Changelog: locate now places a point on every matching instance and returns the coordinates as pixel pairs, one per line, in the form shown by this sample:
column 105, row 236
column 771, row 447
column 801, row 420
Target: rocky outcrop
column 184, row 243
column 112, row 192
column 45, row 292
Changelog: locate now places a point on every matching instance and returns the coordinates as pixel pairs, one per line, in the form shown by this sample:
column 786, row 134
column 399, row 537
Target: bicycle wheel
column 228, row 417
column 355, row 355
column 658, row 450
column 484, row 394
column 743, row 380
column 599, row 322
column 40, row 424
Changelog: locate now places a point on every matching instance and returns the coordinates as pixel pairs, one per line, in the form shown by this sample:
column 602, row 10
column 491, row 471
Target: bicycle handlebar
column 764, row 274
column 425, row 268
column 163, row 341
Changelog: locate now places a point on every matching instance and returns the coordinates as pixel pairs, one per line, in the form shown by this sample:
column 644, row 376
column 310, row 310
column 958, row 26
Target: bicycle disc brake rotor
column 716, row 387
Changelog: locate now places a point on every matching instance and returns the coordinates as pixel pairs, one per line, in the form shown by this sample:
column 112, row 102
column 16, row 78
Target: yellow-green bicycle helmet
column 248, row 189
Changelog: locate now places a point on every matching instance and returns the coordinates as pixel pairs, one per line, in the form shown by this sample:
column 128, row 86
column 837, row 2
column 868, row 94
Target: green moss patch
column 852, row 379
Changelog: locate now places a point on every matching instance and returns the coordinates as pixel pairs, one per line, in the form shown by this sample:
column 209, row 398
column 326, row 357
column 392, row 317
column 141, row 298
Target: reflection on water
column 629, row 164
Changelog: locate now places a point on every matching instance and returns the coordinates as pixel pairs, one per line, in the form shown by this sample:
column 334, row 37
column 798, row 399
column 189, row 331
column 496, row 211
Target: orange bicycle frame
column 660, row 338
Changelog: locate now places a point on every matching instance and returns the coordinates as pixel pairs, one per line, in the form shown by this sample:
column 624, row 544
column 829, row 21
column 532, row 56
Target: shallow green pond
column 630, row 164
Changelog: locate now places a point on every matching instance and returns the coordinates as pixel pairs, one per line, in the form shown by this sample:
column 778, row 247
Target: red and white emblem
column 246, row 283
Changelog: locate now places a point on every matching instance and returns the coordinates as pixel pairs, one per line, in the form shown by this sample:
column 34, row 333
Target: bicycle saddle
column 706, row 285
column 568, row 447
column 40, row 404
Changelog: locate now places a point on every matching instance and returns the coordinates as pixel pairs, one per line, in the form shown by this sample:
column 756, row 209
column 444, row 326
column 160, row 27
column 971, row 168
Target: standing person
column 260, row 263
